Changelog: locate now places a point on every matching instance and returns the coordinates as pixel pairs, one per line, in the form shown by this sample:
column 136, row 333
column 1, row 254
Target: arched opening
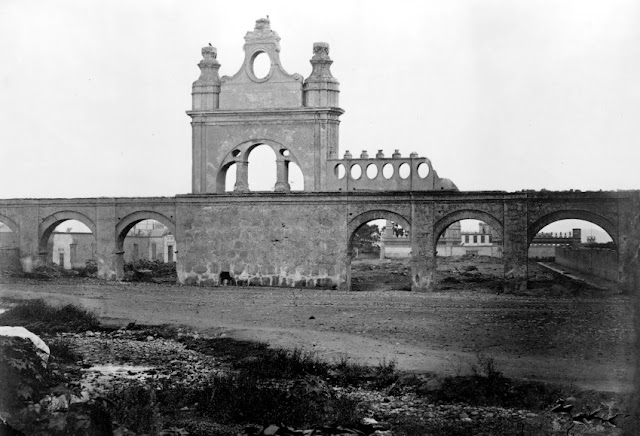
column 262, row 168
column 230, row 177
column 379, row 252
column 68, row 245
column 469, row 256
column 296, row 179
column 9, row 248
column 570, row 255
column 149, row 250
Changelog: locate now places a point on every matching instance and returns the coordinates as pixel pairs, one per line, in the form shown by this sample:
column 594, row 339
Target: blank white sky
column 503, row 95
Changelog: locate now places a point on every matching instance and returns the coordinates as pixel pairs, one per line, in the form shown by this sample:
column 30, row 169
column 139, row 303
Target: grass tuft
column 39, row 317
column 63, row 351
column 487, row 386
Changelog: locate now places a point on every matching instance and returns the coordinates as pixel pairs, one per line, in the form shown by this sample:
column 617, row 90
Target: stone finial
column 206, row 90
column 348, row 155
column 364, row 155
column 209, row 53
column 321, row 51
column 413, row 155
column 396, row 154
column 321, row 88
column 379, row 154
column 262, row 32
column 209, row 65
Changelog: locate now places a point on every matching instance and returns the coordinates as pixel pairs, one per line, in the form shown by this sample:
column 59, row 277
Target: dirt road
column 584, row 340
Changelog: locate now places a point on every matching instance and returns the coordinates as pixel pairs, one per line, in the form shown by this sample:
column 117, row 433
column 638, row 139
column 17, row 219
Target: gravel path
column 583, row 340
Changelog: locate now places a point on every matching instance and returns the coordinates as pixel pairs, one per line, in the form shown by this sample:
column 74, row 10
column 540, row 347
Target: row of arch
column 125, row 224
column 278, row 164
column 49, row 224
column 443, row 223
column 378, row 170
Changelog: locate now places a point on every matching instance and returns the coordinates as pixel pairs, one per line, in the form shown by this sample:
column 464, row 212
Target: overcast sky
column 500, row 95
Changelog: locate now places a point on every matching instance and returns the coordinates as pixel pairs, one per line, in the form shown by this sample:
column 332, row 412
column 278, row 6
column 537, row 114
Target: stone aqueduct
column 303, row 239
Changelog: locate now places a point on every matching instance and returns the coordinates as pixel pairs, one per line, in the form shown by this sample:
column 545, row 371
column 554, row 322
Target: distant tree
column 367, row 238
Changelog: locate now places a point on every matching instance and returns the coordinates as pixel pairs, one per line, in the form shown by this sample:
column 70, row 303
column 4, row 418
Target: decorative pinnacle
column 321, row 51
column 209, row 53
column 262, row 33
column 263, row 24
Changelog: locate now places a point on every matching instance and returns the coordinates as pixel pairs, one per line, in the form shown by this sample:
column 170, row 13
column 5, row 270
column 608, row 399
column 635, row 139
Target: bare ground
column 559, row 331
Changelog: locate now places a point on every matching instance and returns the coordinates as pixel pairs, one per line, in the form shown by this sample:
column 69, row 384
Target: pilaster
column 515, row 245
column 423, row 247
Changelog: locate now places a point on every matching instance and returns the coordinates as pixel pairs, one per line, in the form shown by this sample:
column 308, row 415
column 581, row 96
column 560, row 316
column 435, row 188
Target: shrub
column 282, row 364
column 302, row 403
column 23, row 375
column 39, row 317
column 135, row 406
column 488, row 387
column 62, row 351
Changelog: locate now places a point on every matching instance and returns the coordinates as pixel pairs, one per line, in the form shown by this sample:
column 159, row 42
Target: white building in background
column 453, row 242
column 145, row 241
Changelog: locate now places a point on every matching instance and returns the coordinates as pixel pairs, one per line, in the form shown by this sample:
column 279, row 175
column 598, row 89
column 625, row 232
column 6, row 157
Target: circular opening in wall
column 387, row 171
column 285, row 152
column 423, row 170
column 404, row 170
column 340, row 171
column 235, row 153
column 261, row 65
column 356, row 172
column 372, row 171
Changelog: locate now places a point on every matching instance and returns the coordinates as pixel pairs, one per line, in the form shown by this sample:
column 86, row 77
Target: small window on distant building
column 466, row 239
column 475, row 239
column 482, row 238
column 489, row 237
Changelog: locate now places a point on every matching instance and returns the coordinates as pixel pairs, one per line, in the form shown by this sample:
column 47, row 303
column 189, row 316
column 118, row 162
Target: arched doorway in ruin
column 572, row 250
column 260, row 165
column 368, row 268
column 67, row 239
column 468, row 251
column 146, row 247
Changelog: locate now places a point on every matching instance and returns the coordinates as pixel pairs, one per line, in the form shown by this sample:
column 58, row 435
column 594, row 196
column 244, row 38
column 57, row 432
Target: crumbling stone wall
column 263, row 244
column 599, row 262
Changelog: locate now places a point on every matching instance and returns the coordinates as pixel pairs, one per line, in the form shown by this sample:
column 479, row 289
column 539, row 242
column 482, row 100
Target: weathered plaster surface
column 263, row 244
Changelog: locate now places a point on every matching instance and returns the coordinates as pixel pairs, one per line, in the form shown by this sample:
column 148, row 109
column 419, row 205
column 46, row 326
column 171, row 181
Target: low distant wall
column 477, row 250
column 395, row 248
column 599, row 262
column 542, row 251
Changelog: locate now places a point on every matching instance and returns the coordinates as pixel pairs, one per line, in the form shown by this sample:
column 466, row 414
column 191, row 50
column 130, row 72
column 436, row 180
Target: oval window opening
column 340, row 171
column 261, row 65
column 404, row 170
column 423, row 170
column 387, row 171
column 372, row 171
column 356, row 172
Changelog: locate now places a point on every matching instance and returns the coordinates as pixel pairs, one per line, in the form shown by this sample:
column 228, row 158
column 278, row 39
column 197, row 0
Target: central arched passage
column 260, row 165
column 366, row 266
column 469, row 249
